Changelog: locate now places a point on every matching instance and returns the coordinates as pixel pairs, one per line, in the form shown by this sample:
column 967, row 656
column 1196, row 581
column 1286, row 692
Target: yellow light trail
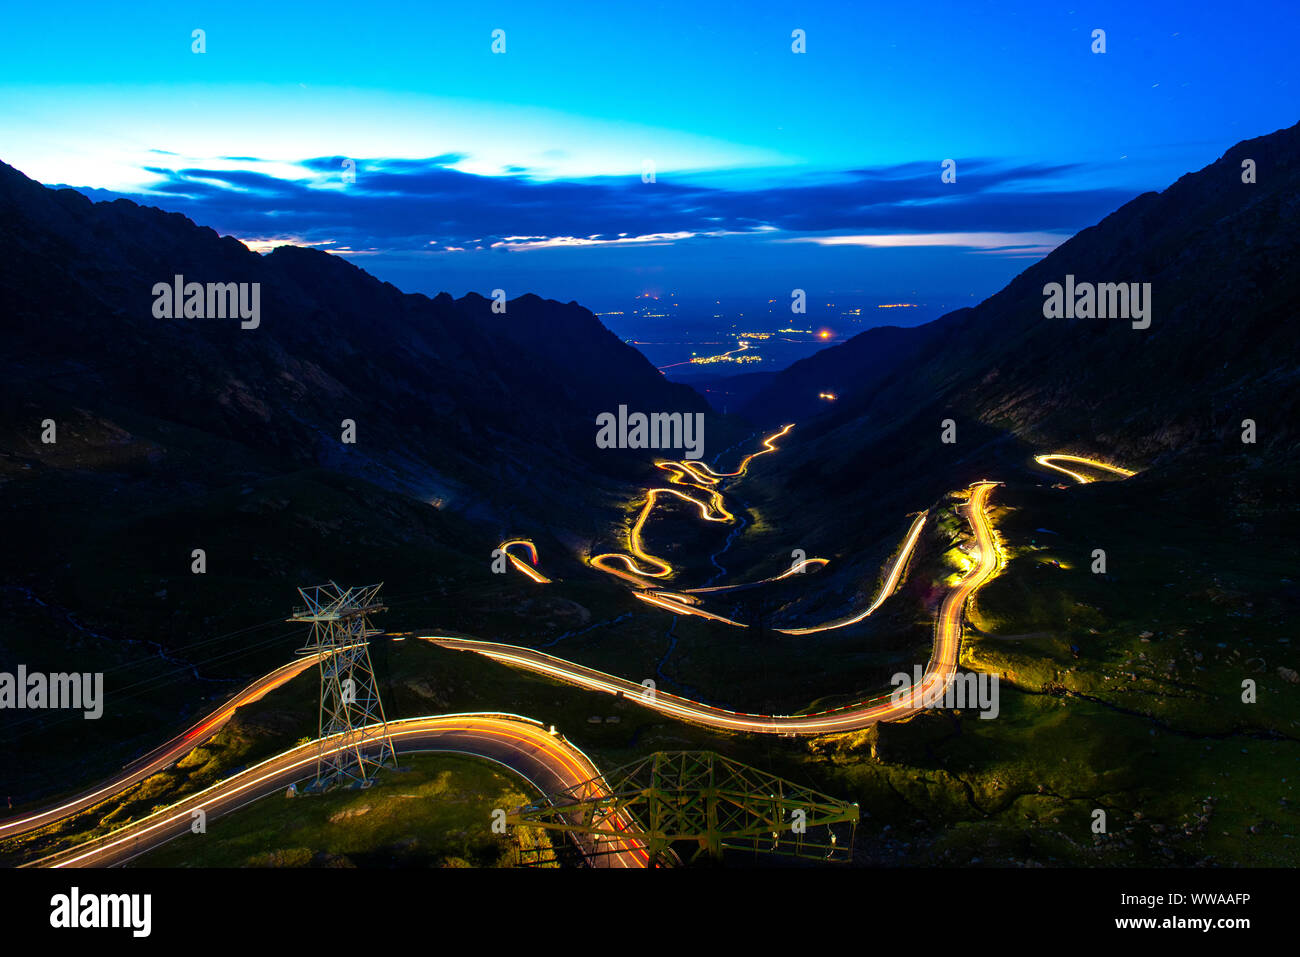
column 526, row 569
column 687, row 467
column 660, row 569
column 677, row 473
column 939, row 671
column 742, row 346
column 1047, row 460
column 794, row 569
column 886, row 588
column 682, row 604
column 164, row 755
column 522, row 736
column 659, row 600
column 744, row 463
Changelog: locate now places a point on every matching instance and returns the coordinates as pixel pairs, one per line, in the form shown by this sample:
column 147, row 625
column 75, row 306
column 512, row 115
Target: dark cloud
column 405, row 204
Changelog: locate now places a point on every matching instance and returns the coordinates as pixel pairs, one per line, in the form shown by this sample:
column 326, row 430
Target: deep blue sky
column 523, row 170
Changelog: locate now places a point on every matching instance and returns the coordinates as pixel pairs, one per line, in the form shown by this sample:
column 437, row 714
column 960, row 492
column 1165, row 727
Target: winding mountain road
column 544, row 760
column 939, row 671
column 522, row 745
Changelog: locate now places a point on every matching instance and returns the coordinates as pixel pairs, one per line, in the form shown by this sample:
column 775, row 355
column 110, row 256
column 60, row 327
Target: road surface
column 545, row 761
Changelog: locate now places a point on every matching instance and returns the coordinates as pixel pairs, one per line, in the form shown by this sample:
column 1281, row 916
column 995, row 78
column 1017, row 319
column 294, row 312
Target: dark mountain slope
column 1223, row 260
column 177, row 434
column 441, row 391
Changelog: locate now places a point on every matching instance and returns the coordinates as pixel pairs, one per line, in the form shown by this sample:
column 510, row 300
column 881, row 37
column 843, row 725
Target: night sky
column 524, row 169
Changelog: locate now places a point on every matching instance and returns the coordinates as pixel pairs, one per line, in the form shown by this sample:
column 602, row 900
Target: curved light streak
column 1047, row 460
column 744, row 463
column 794, row 569
column 531, row 572
column 939, row 671
column 162, row 756
column 659, row 568
column 886, row 589
column 678, row 471
column 680, row 603
column 522, row 738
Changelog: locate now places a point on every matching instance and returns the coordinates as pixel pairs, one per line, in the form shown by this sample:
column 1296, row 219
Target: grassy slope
column 434, row 812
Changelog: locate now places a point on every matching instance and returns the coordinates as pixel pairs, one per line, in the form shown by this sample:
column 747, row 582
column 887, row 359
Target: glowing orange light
column 1049, row 461
column 860, row 714
column 532, row 553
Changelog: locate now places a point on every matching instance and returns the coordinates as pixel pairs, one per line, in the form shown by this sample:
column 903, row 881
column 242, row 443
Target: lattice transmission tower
column 354, row 737
column 682, row 798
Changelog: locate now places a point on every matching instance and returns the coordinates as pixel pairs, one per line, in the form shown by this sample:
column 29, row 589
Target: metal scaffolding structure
column 349, row 697
column 700, row 797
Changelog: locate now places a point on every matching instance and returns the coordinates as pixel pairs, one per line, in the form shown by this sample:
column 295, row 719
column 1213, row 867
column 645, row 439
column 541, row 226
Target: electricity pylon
column 699, row 797
column 349, row 697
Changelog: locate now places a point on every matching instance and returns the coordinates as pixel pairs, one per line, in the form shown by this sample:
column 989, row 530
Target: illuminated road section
column 522, row 745
column 528, row 570
column 939, row 671
column 886, row 589
column 744, row 463
column 545, row 761
column 162, row 756
column 795, row 569
column 659, row 568
column 701, row 473
column 681, row 603
column 1047, row 461
column 743, row 346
